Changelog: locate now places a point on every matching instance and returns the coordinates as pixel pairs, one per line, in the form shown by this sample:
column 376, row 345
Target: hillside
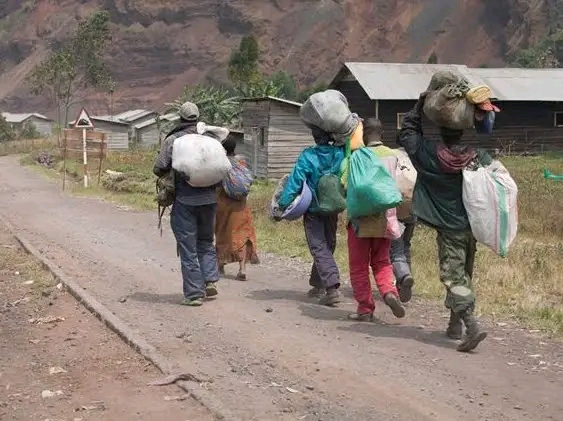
column 161, row 45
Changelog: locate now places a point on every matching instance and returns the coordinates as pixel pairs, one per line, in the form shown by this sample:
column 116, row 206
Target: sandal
column 241, row 276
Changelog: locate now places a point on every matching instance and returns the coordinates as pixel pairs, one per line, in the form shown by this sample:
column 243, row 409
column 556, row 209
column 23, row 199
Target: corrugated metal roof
column 18, row 118
column 105, row 119
column 145, row 123
column 515, row 84
column 399, row 81
column 132, row 115
column 273, row 98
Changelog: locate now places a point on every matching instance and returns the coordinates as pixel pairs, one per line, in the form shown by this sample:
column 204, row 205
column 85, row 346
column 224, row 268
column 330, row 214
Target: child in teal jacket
column 320, row 229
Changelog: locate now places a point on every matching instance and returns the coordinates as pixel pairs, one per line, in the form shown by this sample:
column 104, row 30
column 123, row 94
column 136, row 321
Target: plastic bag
column 490, row 199
column 201, row 159
column 370, row 187
column 406, row 179
column 238, row 181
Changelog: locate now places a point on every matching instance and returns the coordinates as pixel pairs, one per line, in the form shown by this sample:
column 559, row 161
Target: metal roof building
column 514, row 84
column 397, row 81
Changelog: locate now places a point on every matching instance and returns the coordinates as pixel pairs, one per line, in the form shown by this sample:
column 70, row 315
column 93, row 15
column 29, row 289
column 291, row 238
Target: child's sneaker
column 395, row 305
column 192, row 302
column 211, row 289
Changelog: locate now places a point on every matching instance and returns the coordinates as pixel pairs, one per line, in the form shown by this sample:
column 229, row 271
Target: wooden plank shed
column 274, row 136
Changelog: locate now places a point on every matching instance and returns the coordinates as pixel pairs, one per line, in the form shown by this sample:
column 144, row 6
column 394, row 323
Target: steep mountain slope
column 161, row 45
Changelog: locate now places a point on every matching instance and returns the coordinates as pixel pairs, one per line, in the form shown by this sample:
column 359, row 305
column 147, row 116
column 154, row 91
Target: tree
column 306, row 93
column 217, row 105
column 432, row 59
column 243, row 62
column 76, row 66
column 285, row 82
column 7, row 133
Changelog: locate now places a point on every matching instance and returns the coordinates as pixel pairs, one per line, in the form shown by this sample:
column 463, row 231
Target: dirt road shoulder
column 60, row 363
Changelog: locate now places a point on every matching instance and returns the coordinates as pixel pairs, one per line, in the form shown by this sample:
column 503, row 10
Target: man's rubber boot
column 473, row 334
column 455, row 327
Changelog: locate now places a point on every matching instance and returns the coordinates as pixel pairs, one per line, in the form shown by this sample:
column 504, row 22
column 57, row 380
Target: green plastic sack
column 330, row 195
column 371, row 188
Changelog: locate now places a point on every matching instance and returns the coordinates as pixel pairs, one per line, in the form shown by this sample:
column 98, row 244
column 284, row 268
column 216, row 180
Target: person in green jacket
column 438, row 203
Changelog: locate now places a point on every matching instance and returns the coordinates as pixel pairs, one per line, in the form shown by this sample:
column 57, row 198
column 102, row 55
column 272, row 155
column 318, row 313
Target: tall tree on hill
column 243, row 63
column 77, row 66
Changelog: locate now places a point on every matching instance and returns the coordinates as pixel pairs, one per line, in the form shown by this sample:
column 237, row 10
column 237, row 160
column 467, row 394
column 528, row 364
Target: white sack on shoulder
column 490, row 199
column 201, row 158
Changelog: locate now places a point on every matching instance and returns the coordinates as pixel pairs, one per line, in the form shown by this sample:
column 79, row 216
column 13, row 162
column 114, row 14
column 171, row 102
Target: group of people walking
column 200, row 213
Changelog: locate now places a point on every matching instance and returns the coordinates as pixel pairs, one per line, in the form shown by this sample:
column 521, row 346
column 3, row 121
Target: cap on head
column 189, row 111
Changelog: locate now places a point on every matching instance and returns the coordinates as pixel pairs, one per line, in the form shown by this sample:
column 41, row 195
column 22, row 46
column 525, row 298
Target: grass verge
column 527, row 285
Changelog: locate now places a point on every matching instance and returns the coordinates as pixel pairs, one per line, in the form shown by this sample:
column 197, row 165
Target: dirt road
column 271, row 353
column 60, row 363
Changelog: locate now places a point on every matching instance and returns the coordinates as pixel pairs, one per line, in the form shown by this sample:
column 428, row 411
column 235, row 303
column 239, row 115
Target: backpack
column 331, row 197
column 165, row 194
column 238, row 181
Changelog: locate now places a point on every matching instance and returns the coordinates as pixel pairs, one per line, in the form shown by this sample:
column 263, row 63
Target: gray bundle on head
column 328, row 111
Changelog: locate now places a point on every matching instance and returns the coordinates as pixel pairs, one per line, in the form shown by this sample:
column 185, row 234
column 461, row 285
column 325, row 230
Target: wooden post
column 101, row 159
column 85, row 157
column 64, row 160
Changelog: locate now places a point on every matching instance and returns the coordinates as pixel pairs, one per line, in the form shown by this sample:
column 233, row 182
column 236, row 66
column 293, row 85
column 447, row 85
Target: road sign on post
column 73, row 147
column 84, row 122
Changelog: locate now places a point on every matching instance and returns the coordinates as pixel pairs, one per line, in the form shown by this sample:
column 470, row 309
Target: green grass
column 527, row 285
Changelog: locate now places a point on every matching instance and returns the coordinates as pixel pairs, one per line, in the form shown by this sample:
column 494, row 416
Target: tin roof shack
column 117, row 132
column 28, row 121
column 389, row 90
column 274, row 135
column 135, row 118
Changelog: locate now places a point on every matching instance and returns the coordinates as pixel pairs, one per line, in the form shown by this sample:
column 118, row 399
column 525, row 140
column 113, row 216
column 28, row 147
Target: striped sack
column 490, row 199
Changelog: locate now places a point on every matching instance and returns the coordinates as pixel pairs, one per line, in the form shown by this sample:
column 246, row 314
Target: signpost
column 84, row 122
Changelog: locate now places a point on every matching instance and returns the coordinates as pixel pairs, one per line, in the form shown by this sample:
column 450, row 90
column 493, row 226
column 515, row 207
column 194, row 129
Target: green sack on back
column 330, row 194
column 371, row 188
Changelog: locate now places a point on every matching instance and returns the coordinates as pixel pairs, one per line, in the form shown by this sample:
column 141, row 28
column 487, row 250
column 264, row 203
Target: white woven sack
column 201, row 158
column 490, row 199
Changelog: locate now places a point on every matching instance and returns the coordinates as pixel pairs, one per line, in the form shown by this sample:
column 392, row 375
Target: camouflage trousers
column 456, row 254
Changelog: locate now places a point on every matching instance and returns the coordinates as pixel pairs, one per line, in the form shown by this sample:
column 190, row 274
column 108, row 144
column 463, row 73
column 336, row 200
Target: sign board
column 83, row 121
column 87, row 143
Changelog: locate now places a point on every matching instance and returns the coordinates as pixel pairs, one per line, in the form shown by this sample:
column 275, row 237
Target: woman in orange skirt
column 235, row 236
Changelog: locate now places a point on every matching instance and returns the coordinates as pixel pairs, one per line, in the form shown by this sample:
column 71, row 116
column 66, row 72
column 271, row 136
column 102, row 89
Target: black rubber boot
column 455, row 327
column 473, row 333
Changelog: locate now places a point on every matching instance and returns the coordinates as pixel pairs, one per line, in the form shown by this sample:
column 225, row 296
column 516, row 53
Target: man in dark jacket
column 438, row 203
column 192, row 218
